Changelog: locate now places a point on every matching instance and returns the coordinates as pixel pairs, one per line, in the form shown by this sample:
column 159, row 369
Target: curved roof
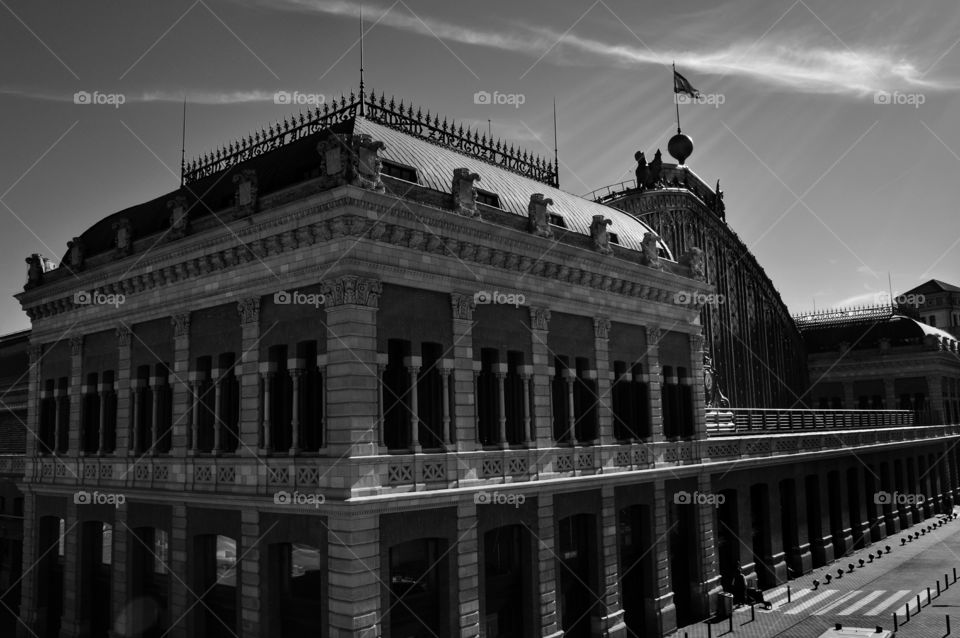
column 435, row 167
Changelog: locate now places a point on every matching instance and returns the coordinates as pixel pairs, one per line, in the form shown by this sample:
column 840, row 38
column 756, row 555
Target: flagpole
column 676, row 102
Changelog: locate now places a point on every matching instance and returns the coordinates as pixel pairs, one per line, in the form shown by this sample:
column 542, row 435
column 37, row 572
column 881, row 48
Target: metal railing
column 736, row 421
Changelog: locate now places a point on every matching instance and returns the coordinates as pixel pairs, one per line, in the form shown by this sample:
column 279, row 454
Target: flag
column 682, row 85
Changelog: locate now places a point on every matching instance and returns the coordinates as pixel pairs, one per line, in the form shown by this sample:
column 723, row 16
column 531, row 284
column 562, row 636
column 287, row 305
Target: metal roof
column 435, row 167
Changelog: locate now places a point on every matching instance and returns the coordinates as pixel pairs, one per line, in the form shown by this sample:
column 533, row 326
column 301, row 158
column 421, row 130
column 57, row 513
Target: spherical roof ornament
column 680, row 147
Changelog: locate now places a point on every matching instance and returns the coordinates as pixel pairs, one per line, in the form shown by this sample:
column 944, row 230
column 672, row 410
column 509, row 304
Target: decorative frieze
column 352, row 289
column 504, row 256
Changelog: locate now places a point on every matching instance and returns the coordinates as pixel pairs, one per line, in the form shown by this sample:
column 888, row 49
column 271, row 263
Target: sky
column 832, row 127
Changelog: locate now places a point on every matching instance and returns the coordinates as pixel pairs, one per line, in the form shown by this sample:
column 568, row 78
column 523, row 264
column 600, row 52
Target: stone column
column 122, row 388
column 104, row 390
column 29, row 615
column 821, row 547
column 849, row 398
column 181, row 597
column 136, row 385
column 351, row 306
column 119, row 573
column 268, row 370
column 875, row 517
column 547, row 561
column 154, row 448
column 76, row 395
column 891, row 513
column 777, row 558
column 845, row 523
column 468, row 569
column 382, row 361
column 196, row 380
column 863, row 530
column 464, row 402
column 612, row 623
column 654, row 385
column 890, row 393
column 663, row 596
column 249, row 375
column 249, row 573
column 216, row 377
column 183, row 414
column 413, row 365
column 72, row 623
column 802, row 557
column 935, row 399
column 59, row 395
column 601, row 349
column 570, row 376
column 710, row 586
column 526, row 375
column 353, row 548
column 696, row 382
column 297, row 370
column 744, row 537
column 903, row 485
column 34, row 381
column 500, row 371
column 447, row 366
column 542, row 367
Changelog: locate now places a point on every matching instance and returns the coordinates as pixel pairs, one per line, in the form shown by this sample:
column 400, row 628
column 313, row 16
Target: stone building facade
column 371, row 375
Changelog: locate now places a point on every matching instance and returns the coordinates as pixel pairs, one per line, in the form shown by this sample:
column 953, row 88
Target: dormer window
column 614, row 239
column 557, row 220
column 400, row 171
column 489, row 199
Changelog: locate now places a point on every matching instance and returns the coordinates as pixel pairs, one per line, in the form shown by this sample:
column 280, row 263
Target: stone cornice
column 470, row 245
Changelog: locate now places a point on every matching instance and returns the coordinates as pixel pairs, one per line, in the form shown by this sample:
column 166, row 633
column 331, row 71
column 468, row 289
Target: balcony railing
column 738, row 421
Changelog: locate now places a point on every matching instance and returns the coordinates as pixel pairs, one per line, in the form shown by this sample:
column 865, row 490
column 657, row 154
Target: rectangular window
column 488, row 397
column 488, row 198
column 399, row 171
column 396, row 396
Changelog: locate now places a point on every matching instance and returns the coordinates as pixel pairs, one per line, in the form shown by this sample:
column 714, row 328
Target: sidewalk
column 866, row 597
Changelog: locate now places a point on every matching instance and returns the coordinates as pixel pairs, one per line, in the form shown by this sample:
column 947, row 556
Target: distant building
column 13, row 436
column 938, row 305
column 883, row 357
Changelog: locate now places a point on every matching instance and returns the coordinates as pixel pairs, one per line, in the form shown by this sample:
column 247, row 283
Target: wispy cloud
column 193, row 97
column 789, row 62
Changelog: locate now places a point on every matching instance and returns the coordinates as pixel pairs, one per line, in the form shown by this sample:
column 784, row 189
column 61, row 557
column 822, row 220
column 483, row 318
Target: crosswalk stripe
column 863, row 602
column 836, row 603
column 813, row 601
column 775, row 594
column 794, row 596
column 886, row 602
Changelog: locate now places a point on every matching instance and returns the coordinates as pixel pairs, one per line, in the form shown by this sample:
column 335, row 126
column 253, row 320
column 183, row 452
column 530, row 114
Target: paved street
column 867, row 597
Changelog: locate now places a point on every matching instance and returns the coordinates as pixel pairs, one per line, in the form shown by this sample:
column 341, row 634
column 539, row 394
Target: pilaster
column 468, row 569
column 352, row 389
column 464, row 422
column 76, row 398
column 547, row 561
column 540, row 384
column 612, row 624
column 601, row 348
column 710, row 585
column 663, row 594
column 180, row 596
column 250, row 576
column 182, row 394
column 355, row 576
column 655, row 384
column 248, row 373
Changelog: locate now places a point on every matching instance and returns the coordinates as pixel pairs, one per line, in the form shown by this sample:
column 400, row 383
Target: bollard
column 895, row 625
column 908, row 612
column 928, row 596
column 753, row 613
column 938, row 589
column 918, row 603
column 731, row 623
column 954, row 574
column 709, row 630
column 946, row 582
column 948, row 624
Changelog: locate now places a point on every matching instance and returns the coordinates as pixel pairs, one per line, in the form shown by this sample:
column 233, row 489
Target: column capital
column 696, row 342
column 181, row 324
column 539, row 318
column 268, row 369
column 654, row 334
column 76, row 345
column 413, row 363
column 352, row 289
column 249, row 310
column 462, row 305
column 35, row 351
column 601, row 327
column 123, row 334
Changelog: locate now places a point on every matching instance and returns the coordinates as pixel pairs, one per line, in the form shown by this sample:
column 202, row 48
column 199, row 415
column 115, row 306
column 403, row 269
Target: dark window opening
column 396, row 396
column 399, row 171
column 488, row 198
